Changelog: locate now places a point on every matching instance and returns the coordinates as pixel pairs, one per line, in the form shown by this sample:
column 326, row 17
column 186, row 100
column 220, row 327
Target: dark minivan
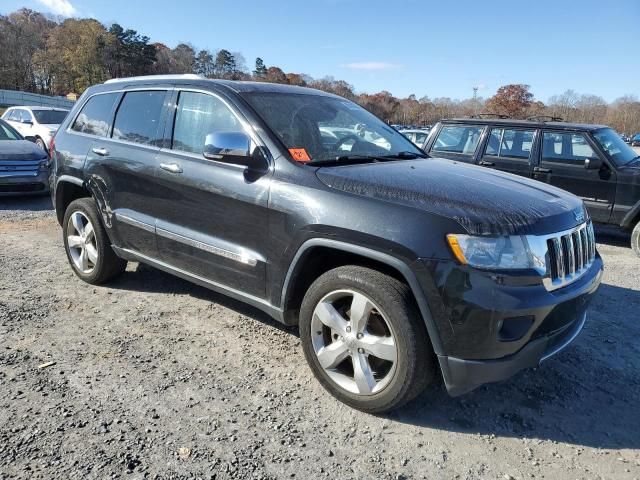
column 308, row 207
column 590, row 161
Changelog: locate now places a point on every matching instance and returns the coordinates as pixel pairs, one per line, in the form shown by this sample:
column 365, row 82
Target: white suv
column 38, row 122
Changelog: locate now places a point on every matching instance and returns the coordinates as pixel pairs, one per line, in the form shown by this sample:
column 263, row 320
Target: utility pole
column 475, row 101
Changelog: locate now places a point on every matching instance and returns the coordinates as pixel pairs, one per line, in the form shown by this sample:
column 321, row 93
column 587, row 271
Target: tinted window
column 95, row 116
column 620, row 152
column 420, row 138
column 461, row 139
column 138, row 118
column 50, row 117
column 197, row 116
column 510, row 143
column 566, row 147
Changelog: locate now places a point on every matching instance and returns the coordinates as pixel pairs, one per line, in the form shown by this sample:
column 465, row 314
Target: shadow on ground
column 586, row 395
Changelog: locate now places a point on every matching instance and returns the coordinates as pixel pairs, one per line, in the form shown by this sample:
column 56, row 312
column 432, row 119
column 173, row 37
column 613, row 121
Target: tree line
column 55, row 57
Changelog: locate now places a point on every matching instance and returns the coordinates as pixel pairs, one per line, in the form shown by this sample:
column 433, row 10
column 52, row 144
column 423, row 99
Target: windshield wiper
column 355, row 158
column 405, row 155
column 347, row 158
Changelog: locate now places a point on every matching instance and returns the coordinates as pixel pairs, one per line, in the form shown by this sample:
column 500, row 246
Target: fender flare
column 381, row 257
column 631, row 215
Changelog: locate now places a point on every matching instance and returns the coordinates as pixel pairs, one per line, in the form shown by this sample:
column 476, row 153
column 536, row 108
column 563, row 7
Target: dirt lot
column 158, row 378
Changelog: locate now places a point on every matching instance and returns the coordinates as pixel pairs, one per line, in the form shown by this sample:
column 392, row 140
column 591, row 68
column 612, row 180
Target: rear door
column 457, row 142
column 562, row 165
column 123, row 164
column 510, row 150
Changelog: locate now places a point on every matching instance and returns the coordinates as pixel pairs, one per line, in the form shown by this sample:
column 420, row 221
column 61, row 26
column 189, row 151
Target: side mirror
column 592, row 163
column 30, row 138
column 233, row 147
column 27, row 122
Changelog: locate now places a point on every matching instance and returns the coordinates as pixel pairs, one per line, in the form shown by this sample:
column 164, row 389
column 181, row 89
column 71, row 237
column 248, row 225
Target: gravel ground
column 157, row 378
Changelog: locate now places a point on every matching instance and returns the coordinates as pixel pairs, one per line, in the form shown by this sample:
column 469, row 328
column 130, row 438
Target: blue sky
column 439, row 49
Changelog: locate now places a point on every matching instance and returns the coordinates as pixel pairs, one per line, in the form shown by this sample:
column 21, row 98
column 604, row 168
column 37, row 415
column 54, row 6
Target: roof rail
column 490, row 115
column 545, row 118
column 185, row 76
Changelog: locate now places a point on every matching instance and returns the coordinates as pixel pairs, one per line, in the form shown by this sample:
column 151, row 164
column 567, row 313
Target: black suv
column 310, row 208
column 590, row 161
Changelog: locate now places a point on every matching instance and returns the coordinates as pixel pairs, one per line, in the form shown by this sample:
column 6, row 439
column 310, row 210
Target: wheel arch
column 317, row 256
column 67, row 190
column 632, row 217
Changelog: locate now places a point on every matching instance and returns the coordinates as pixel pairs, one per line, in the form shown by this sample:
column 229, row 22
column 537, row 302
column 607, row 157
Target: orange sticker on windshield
column 300, row 155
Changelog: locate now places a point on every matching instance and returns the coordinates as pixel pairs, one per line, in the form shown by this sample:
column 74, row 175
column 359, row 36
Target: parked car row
column 24, row 167
column 590, row 161
column 395, row 267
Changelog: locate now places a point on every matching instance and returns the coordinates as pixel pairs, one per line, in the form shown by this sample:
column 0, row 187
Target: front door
column 212, row 217
column 510, row 150
column 562, row 164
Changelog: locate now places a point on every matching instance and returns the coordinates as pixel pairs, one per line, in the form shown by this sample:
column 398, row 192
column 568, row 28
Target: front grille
column 571, row 254
column 21, row 187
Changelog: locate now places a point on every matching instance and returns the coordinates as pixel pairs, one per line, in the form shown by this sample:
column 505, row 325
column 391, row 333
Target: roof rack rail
column 490, row 115
column 545, row 118
column 185, row 76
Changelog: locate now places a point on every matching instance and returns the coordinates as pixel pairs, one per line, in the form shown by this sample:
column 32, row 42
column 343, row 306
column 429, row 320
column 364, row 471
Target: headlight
column 508, row 252
column 44, row 164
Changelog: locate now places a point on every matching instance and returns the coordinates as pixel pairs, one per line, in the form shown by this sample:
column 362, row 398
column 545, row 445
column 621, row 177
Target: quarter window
column 138, row 118
column 197, row 116
column 566, row 147
column 462, row 139
column 504, row 142
column 95, row 116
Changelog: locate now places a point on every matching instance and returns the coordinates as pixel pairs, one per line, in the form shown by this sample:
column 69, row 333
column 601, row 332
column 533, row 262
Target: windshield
column 320, row 128
column 50, row 117
column 620, row 152
column 8, row 133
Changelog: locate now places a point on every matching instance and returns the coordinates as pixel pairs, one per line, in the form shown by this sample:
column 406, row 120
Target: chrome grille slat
column 569, row 255
column 577, row 243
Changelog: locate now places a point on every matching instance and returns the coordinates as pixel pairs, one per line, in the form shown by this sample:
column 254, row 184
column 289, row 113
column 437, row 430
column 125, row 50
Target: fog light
column 514, row 328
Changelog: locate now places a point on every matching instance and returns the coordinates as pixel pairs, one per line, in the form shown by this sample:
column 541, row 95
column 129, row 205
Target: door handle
column 171, row 167
column 484, row 163
column 103, row 152
column 541, row 170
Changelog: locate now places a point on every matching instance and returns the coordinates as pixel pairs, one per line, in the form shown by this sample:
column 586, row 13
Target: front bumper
column 462, row 376
column 24, row 182
column 492, row 326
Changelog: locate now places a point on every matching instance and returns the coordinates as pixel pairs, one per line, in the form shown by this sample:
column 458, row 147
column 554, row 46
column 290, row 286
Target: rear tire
column 375, row 354
column 635, row 239
column 87, row 245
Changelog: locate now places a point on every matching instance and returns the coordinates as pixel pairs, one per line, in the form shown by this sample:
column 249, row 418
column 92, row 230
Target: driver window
column 570, row 148
column 198, row 115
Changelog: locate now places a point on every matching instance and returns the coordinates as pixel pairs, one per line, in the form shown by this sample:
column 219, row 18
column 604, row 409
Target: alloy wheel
column 82, row 243
column 354, row 342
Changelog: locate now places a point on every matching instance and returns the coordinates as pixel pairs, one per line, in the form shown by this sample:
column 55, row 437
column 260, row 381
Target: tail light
column 52, row 146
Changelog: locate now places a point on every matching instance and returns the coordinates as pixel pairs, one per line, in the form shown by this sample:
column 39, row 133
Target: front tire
column 41, row 144
column 87, row 245
column 635, row 239
column 365, row 339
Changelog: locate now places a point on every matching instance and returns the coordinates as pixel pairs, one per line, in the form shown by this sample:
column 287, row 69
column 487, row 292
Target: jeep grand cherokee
column 308, row 207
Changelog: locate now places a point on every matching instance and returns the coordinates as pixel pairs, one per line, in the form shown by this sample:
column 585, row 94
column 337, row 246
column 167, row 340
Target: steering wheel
column 339, row 143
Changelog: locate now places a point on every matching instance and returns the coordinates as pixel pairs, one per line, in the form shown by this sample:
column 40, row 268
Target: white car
column 417, row 136
column 38, row 122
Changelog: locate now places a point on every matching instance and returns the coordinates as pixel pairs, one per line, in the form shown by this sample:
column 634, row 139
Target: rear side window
column 566, row 147
column 95, row 116
column 138, row 118
column 197, row 116
column 462, row 139
column 504, row 142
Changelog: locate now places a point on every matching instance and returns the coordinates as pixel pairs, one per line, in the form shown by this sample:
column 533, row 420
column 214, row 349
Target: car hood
column 483, row 201
column 20, row 150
